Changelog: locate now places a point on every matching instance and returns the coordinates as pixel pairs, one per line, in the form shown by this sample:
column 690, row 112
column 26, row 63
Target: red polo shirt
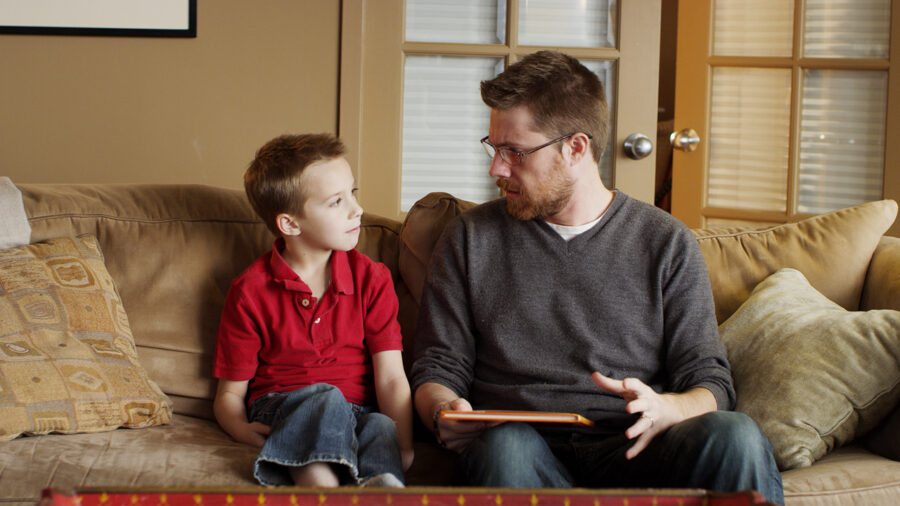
column 274, row 333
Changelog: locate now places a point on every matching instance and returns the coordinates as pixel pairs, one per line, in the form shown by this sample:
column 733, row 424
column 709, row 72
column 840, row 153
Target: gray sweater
column 514, row 317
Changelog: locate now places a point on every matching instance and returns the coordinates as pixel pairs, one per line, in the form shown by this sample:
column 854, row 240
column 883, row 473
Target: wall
column 157, row 110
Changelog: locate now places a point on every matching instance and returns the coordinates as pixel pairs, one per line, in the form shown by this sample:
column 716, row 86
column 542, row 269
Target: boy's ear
column 287, row 225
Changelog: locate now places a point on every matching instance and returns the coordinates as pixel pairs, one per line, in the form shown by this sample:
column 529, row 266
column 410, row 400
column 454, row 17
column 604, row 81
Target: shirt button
column 317, row 320
column 305, row 302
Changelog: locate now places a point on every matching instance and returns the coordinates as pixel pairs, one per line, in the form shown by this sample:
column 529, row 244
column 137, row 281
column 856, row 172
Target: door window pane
column 461, row 21
column 567, row 23
column 847, row 28
column 606, row 71
column 749, row 132
column 443, row 119
column 758, row 28
column 841, row 139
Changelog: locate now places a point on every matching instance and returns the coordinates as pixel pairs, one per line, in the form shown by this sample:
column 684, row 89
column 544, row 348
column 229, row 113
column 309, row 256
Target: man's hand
column 658, row 411
column 456, row 435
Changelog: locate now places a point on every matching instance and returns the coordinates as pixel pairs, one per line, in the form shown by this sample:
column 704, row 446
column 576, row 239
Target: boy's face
column 331, row 214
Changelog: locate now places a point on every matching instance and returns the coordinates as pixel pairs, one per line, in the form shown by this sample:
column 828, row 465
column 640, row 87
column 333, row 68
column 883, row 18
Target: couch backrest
column 832, row 250
column 172, row 251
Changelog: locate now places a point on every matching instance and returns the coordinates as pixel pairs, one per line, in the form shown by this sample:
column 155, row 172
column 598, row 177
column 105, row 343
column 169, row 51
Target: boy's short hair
column 562, row 95
column 272, row 181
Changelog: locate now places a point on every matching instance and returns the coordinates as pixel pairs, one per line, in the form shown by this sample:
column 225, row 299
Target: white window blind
column 749, row 133
column 847, row 28
column 567, row 23
column 606, row 71
column 841, row 139
column 443, row 119
column 757, row 28
column 461, row 21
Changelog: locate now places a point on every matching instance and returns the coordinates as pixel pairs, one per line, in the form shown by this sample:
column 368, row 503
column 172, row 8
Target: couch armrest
column 882, row 286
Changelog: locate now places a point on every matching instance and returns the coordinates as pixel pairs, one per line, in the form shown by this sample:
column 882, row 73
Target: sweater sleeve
column 695, row 354
column 445, row 340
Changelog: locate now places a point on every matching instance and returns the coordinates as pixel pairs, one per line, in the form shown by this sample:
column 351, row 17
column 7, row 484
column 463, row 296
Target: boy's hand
column 231, row 413
column 253, row 433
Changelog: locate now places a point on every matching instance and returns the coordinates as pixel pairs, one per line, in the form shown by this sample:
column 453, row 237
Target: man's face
column 538, row 187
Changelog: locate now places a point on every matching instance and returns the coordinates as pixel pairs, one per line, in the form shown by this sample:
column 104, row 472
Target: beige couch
column 172, row 251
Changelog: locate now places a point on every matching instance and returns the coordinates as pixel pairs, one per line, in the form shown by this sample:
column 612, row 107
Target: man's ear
column 287, row 225
column 580, row 145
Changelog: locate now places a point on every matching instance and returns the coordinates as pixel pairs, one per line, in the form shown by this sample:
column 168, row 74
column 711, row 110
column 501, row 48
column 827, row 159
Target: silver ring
column 649, row 418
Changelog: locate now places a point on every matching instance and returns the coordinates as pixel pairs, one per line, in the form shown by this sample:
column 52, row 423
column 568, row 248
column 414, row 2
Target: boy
column 310, row 331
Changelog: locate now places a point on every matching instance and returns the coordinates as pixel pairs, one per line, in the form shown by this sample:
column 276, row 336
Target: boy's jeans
column 316, row 424
column 722, row 451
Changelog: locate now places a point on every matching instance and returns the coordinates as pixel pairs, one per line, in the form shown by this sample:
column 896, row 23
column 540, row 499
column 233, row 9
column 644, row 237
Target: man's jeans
column 722, row 451
column 316, row 424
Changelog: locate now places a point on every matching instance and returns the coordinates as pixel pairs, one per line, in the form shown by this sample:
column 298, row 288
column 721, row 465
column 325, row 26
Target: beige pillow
column 813, row 375
column 67, row 357
column 832, row 250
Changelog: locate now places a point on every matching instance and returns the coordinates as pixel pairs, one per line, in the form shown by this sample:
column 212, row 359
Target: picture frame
column 121, row 18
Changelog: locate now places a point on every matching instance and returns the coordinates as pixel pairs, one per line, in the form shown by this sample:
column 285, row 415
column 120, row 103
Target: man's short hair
column 562, row 95
column 272, row 181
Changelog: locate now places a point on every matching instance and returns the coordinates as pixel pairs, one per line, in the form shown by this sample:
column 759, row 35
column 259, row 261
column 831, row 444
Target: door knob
column 637, row 146
column 685, row 140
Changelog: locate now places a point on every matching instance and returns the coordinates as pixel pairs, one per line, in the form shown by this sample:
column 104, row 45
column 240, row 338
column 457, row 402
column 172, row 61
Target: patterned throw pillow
column 67, row 357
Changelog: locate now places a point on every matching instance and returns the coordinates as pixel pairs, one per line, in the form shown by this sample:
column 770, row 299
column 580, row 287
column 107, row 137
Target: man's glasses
column 515, row 157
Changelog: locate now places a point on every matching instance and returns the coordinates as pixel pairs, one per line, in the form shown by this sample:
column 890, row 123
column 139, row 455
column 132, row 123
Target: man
column 566, row 296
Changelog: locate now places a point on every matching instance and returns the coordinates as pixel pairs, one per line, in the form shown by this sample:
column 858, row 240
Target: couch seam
column 141, row 220
column 174, row 220
column 383, row 227
column 743, row 233
column 854, row 490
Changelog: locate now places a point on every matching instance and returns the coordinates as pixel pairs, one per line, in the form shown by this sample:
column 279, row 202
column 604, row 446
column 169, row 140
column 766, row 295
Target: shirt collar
column 341, row 275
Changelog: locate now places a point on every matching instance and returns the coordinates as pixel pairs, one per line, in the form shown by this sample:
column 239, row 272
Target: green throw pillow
column 813, row 375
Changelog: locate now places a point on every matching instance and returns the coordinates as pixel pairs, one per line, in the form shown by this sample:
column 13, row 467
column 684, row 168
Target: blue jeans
column 722, row 451
column 316, row 424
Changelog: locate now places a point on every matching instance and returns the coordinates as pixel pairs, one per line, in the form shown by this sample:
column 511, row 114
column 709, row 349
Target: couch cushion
column 810, row 373
column 189, row 452
column 423, row 225
column 885, row 439
column 832, row 250
column 849, row 475
column 67, row 357
column 14, row 228
column 882, row 288
column 421, row 229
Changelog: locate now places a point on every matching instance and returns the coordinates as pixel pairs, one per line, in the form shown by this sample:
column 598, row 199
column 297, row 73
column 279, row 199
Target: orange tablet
column 517, row 416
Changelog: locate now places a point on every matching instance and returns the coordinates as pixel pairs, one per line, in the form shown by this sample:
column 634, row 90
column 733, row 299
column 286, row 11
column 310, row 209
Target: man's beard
column 548, row 198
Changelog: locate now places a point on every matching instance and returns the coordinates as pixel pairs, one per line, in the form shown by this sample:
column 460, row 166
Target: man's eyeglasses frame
column 515, row 157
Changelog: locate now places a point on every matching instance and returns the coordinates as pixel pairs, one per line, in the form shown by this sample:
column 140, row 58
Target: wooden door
column 795, row 104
